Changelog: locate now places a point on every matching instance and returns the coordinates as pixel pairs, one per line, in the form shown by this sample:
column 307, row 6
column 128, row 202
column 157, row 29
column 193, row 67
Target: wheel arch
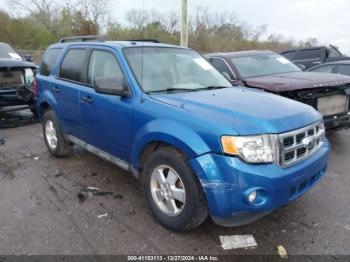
column 167, row 133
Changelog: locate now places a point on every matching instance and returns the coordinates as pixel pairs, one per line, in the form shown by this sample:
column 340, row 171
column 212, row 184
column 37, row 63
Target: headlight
column 252, row 149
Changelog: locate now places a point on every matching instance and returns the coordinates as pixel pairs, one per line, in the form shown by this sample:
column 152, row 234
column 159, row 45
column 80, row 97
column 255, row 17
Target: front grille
column 301, row 143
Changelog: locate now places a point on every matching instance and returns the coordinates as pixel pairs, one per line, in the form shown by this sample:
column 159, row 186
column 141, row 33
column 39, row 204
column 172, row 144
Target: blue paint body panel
column 192, row 122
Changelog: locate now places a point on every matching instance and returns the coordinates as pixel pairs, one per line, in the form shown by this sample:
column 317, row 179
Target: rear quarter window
column 73, row 65
column 48, row 61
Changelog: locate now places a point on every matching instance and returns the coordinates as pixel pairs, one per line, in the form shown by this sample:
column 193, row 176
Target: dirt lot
column 40, row 212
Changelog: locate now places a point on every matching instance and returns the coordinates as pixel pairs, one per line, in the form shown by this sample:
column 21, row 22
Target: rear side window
column 73, row 65
column 49, row 59
column 308, row 54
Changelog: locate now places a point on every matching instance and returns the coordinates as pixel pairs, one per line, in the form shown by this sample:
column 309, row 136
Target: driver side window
column 103, row 66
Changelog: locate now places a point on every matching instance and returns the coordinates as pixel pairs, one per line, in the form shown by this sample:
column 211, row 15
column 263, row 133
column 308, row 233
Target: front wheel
column 55, row 141
column 172, row 190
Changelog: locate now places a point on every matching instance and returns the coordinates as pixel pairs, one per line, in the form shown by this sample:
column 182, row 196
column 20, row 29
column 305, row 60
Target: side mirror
column 28, row 58
column 301, row 66
column 112, row 86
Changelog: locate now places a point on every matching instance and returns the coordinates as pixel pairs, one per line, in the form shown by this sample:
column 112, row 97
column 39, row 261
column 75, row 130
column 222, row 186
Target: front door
column 106, row 118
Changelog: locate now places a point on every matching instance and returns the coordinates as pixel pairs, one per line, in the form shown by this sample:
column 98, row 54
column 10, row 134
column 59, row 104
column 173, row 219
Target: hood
column 297, row 81
column 245, row 110
column 12, row 63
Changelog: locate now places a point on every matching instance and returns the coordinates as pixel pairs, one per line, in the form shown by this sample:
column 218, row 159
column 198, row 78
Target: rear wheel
column 172, row 190
column 55, row 141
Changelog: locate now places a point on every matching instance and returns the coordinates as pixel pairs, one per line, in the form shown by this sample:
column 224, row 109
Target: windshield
column 160, row 69
column 7, row 52
column 261, row 65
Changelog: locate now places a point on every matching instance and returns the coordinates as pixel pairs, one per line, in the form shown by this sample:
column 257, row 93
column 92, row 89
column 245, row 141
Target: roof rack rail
column 144, row 40
column 82, row 38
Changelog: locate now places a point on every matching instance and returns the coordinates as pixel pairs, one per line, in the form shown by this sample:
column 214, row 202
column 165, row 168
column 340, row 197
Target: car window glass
column 222, row 67
column 103, row 65
column 263, row 64
column 49, row 59
column 323, row 69
column 289, row 55
column 332, row 52
column 73, row 64
column 158, row 68
column 344, row 69
column 308, row 54
column 7, row 52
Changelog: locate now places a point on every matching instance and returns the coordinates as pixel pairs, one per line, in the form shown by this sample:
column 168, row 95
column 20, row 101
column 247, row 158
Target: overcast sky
column 326, row 20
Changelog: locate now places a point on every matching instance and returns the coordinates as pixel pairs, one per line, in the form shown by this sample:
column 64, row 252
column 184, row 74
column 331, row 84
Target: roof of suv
column 115, row 44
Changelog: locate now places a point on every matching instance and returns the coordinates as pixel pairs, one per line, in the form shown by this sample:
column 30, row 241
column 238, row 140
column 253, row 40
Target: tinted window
column 73, row 65
column 323, row 69
column 308, row 54
column 344, row 69
column 49, row 59
column 289, row 55
column 103, row 65
column 222, row 67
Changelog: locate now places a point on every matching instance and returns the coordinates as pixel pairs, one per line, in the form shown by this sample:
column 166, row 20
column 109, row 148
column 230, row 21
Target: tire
column 193, row 210
column 63, row 147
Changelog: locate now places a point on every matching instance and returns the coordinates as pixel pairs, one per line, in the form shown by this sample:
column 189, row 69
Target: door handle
column 55, row 89
column 87, row 99
column 317, row 63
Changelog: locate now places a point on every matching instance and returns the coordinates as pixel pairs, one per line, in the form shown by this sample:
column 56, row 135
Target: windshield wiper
column 168, row 90
column 212, row 87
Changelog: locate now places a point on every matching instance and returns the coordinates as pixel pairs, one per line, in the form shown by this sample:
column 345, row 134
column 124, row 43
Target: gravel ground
column 40, row 211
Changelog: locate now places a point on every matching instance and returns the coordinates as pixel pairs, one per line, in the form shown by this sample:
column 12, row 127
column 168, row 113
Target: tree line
column 40, row 23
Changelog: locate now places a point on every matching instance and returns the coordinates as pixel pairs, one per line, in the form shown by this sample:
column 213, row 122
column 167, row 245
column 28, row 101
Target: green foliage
column 208, row 32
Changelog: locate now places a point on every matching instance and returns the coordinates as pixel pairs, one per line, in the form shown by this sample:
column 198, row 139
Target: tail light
column 35, row 87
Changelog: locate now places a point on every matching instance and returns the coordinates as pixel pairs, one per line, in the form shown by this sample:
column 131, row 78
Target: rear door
column 66, row 86
column 106, row 119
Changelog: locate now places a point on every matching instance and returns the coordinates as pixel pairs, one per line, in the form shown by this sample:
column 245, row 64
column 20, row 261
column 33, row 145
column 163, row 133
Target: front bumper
column 337, row 122
column 226, row 180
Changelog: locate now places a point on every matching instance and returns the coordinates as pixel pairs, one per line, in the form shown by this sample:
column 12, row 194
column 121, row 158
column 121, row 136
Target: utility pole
column 184, row 24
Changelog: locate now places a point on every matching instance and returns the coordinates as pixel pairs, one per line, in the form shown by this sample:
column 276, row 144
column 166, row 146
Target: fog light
column 252, row 197
column 256, row 196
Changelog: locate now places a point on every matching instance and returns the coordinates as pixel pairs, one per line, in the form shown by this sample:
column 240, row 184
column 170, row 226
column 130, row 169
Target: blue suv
column 198, row 145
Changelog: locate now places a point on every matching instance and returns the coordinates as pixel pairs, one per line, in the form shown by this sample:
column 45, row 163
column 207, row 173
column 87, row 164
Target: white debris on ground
column 101, row 216
column 237, row 241
column 282, row 251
